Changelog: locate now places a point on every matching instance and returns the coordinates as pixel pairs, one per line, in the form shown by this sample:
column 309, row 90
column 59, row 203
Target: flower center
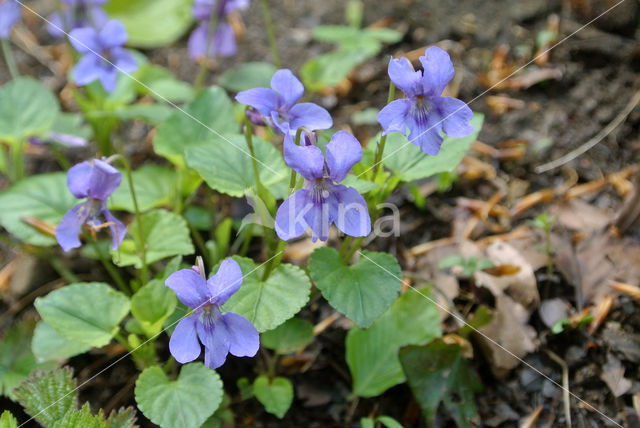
column 320, row 190
column 210, row 314
column 421, row 110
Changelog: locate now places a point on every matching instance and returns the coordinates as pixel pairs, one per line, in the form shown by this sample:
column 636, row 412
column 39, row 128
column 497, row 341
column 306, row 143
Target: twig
column 565, row 386
column 619, row 119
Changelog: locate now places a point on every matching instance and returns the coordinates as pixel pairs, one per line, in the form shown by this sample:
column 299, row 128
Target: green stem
column 247, row 240
column 383, row 140
column 248, row 135
column 17, row 160
column 275, row 261
column 270, row 33
column 168, row 366
column 60, row 157
column 204, row 65
column 9, row 59
column 197, row 238
column 108, row 265
column 355, row 247
column 124, row 342
column 62, row 270
column 143, row 246
column 345, row 246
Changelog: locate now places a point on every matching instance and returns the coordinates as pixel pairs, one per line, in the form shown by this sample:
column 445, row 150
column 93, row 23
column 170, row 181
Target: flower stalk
column 273, row 45
column 9, row 59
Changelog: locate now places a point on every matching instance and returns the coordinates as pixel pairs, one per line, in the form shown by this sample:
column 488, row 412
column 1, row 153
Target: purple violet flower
column 321, row 201
column 103, row 56
column 223, row 43
column 77, row 14
column 278, row 105
column 223, row 40
column 219, row 333
column 9, row 15
column 425, row 112
column 95, row 180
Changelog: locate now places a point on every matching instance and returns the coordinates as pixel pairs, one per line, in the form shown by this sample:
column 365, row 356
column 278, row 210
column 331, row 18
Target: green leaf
column 248, row 75
column 153, row 114
column 123, row 418
column 438, row 372
column 372, row 354
column 276, row 396
column 48, row 395
column 165, row 235
column 389, row 422
column 84, row 312
column 16, row 358
column 363, row 291
column 267, row 304
column 170, row 18
column 294, row 334
column 80, row 418
column 330, row 69
column 154, row 186
column 72, row 124
column 409, row 163
column 227, row 167
column 161, row 84
column 152, row 305
column 27, row 109
column 481, row 317
column 49, row 345
column 43, row 196
column 362, row 186
column 183, row 403
column 201, row 121
column 7, row 420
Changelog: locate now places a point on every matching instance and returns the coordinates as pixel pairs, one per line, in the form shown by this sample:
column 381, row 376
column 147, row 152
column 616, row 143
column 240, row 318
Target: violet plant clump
column 103, row 54
column 279, row 105
column 181, row 208
column 425, row 112
column 220, row 333
column 94, row 180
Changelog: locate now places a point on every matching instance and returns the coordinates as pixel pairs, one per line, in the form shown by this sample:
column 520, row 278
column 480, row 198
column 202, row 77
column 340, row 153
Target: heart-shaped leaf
column 203, row 120
column 152, row 305
column 183, row 403
column 438, row 372
column 170, row 18
column 226, row 165
column 49, row 345
column 43, row 196
column 248, row 75
column 363, row 291
column 276, row 395
column 372, row 354
column 84, row 312
column 27, row 109
column 267, row 304
column 294, row 334
column 165, row 234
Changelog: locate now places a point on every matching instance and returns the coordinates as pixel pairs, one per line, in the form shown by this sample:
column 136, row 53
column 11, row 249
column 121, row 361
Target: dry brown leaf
column 510, row 330
column 521, row 286
column 629, row 289
column 600, row 313
column 613, row 375
column 578, row 215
